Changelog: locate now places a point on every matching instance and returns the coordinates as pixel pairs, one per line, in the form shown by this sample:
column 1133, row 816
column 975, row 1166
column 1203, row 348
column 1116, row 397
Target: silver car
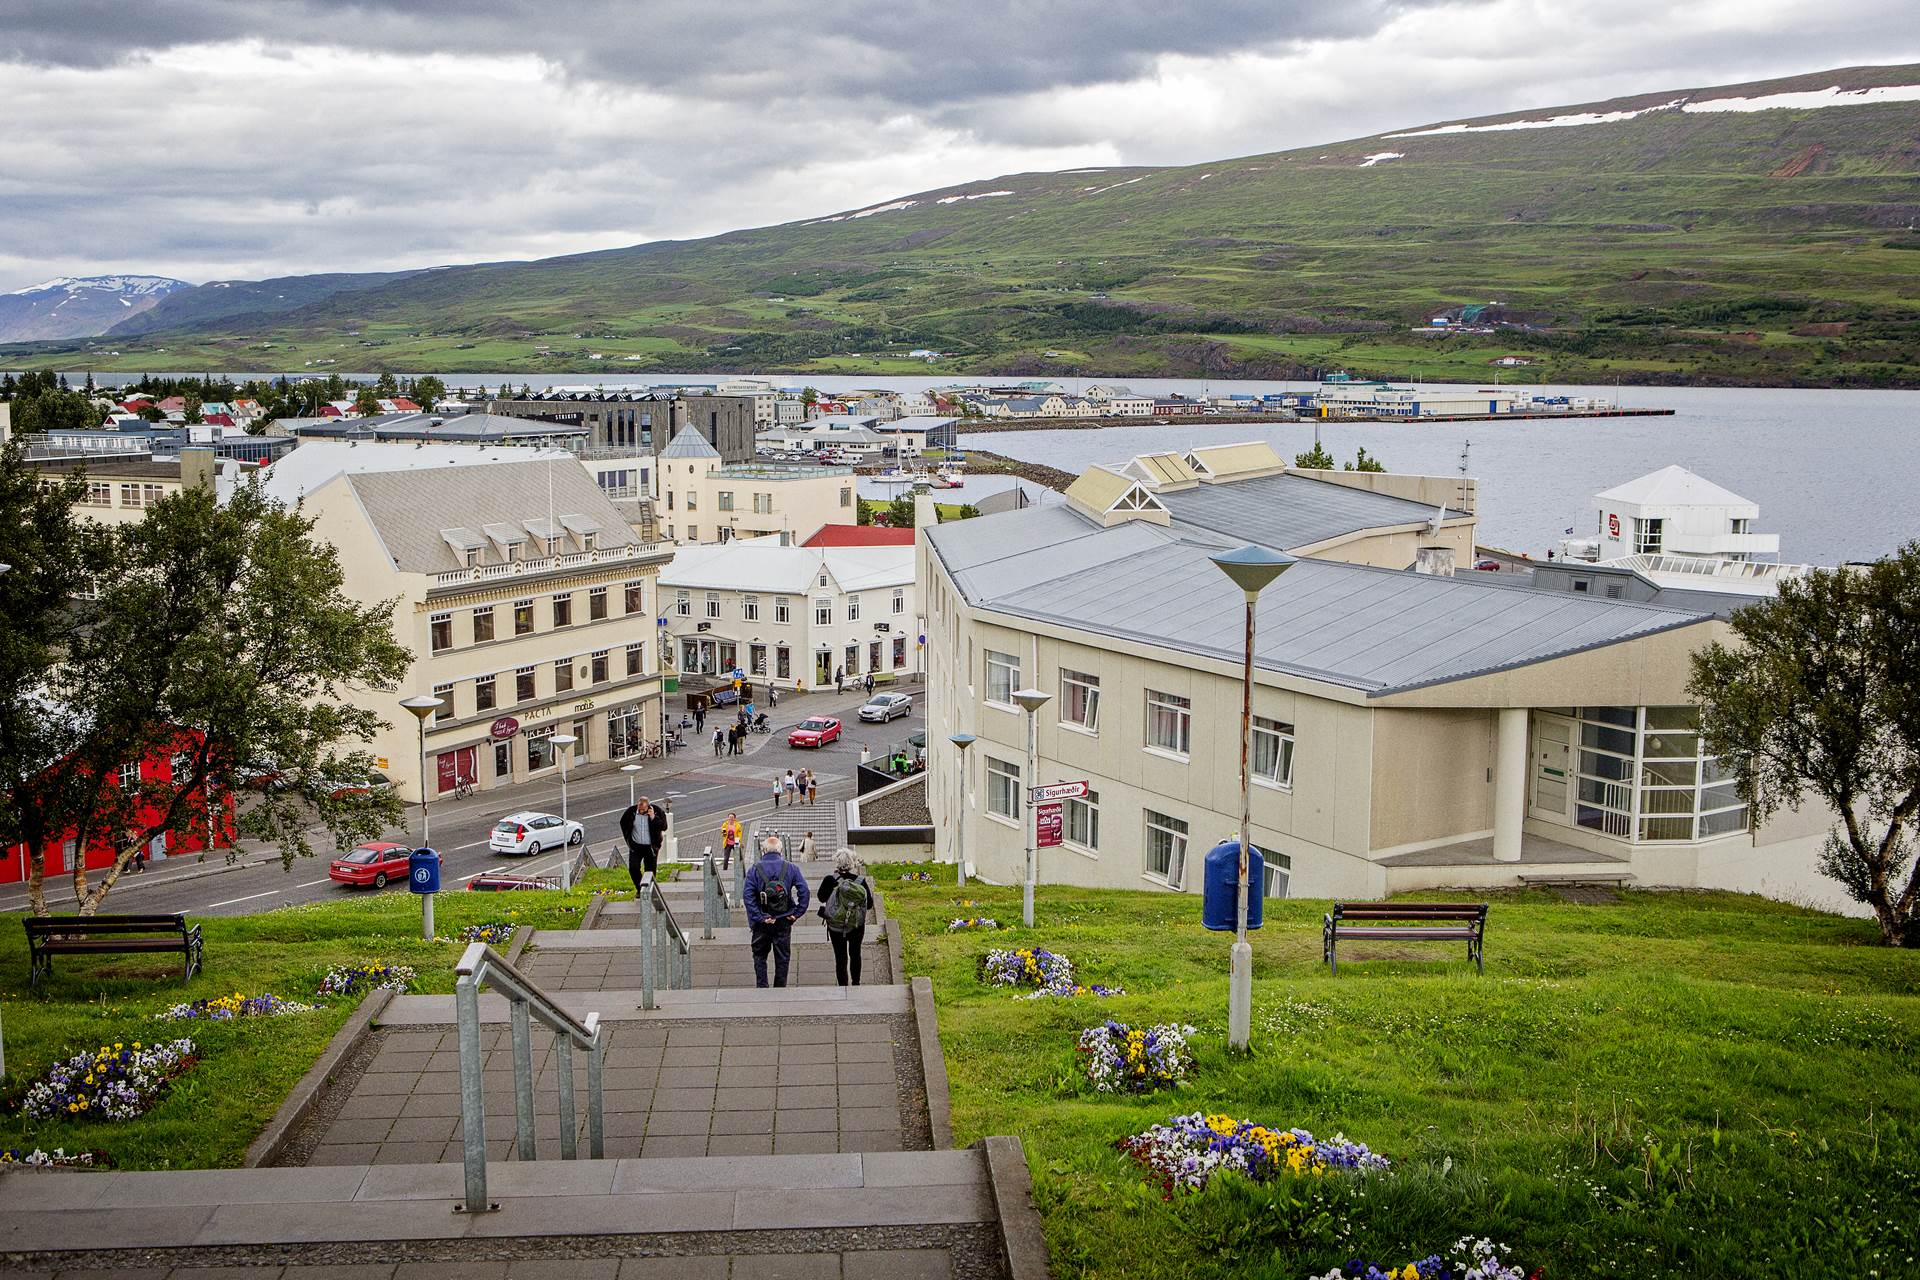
column 882, row 707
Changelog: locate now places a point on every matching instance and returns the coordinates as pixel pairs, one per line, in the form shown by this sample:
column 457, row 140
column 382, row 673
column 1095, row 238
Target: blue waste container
column 1220, row 888
column 423, row 871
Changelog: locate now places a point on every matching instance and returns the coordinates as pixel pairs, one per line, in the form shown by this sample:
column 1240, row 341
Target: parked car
column 375, row 863
column 339, row 788
column 1493, row 565
column 497, row 882
column 882, row 707
column 531, row 833
column 814, row 731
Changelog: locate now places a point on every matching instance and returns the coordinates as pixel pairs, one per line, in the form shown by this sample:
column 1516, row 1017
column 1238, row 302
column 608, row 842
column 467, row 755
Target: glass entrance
column 823, row 667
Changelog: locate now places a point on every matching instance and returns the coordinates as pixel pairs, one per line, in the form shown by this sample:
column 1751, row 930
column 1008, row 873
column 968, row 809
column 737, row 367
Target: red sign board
column 1613, row 525
column 505, row 727
column 1047, row 825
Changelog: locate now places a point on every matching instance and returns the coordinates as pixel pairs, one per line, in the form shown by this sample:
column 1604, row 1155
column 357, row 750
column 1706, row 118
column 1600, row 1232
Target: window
column 750, row 608
column 1080, row 821
column 899, row 599
column 1275, row 870
column 129, row 776
column 179, row 766
column 1740, row 524
column 483, row 694
column 823, row 611
column 636, row 659
column 763, row 504
column 523, row 684
column 781, row 613
column 440, row 632
column 756, row 660
column 99, row 494
column 483, row 624
column 713, row 604
column 599, row 666
column 683, row 603
column 1166, row 848
column 1169, row 722
column 563, row 609
column 693, row 533
column 725, row 497
column 823, row 579
column 1003, row 677
column 522, row 617
column 846, row 496
column 1003, row 788
column 853, row 608
column 596, row 604
column 692, row 504
column 1646, row 536
column 563, row 675
column 782, row 663
column 444, row 692
column 540, row 754
column 1080, row 700
column 636, row 593
column 1272, row 752
column 899, row 652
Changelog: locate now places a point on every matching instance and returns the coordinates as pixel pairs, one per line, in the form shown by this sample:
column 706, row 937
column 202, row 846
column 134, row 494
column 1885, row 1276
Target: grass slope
column 1677, row 1085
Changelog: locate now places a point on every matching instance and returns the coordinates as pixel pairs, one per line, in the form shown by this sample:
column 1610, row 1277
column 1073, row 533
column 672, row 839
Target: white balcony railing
column 549, row 564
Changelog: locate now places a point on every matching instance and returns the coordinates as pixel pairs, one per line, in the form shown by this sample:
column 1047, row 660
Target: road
column 703, row 789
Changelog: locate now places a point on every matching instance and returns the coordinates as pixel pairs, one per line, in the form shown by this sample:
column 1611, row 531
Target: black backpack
column 776, row 894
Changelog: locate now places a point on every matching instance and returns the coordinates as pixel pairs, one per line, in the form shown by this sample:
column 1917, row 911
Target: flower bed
column 972, row 922
column 1469, row 1259
column 1070, row 990
column 114, row 1082
column 1123, row 1059
column 1184, row 1153
column 237, row 1005
column 1026, row 967
column 925, row 877
column 355, row 979
column 493, row 933
column 58, row 1158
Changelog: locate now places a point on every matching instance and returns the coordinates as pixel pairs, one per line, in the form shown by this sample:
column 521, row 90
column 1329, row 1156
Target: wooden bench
column 1405, row 922
column 49, row 936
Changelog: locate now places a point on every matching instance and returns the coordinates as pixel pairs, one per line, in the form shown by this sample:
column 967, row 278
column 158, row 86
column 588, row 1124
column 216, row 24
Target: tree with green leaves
column 900, row 513
column 1315, row 459
column 194, row 403
column 386, row 386
column 218, row 634
column 366, row 402
column 427, row 391
column 43, row 403
column 1818, row 701
column 1365, row 462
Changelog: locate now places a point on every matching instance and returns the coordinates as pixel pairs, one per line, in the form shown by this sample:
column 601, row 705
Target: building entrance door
column 1552, row 767
column 823, row 667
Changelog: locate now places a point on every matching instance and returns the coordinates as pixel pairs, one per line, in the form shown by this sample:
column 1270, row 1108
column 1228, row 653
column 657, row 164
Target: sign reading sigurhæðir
column 1057, row 791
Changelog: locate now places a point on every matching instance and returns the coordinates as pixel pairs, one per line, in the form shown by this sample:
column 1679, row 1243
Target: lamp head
column 1031, row 699
column 1253, row 568
column 630, row 768
column 421, row 705
column 564, row 739
column 963, row 740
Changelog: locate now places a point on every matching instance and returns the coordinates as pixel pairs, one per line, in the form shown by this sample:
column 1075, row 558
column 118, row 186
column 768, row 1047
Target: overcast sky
column 211, row 139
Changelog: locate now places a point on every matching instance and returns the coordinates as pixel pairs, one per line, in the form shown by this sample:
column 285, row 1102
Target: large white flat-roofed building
column 1412, row 730
column 793, row 614
column 703, row 499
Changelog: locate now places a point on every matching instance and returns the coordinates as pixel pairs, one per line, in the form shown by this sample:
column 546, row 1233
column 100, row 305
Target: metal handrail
column 526, row 1002
column 666, row 959
column 713, row 896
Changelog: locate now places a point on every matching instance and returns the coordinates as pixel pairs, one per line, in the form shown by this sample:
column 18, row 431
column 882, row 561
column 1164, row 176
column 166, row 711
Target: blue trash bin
column 423, row 871
column 1220, row 887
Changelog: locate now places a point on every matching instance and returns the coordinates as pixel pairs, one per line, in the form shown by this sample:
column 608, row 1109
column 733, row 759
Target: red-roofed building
column 330, row 411
column 218, row 420
column 403, row 405
column 174, row 404
column 859, row 535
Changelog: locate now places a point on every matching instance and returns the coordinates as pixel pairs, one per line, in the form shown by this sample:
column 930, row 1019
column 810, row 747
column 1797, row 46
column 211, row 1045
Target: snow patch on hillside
column 1833, row 96
column 1378, row 156
column 977, row 195
column 136, row 285
column 884, row 208
column 1551, row 122
column 1094, row 191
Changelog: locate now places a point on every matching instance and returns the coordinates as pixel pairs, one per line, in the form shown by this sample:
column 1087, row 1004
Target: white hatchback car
column 532, row 833
column 882, row 707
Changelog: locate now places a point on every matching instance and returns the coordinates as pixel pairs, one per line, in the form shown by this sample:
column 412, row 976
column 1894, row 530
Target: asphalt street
column 702, row 788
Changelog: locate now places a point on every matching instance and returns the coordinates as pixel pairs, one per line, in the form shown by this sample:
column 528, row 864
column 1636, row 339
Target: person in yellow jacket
column 731, row 834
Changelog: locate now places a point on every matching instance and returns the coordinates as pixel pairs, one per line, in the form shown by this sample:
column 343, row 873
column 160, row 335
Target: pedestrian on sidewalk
column 773, row 696
column 719, row 739
column 792, row 785
column 700, row 719
column 644, row 828
column 839, row 680
column 776, row 895
column 730, row 836
column 779, row 787
column 806, row 847
column 869, row 684
column 846, row 895
column 737, row 735
column 813, row 787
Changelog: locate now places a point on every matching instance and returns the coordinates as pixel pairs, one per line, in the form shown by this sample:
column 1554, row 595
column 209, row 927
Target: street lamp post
column 1251, row 569
column 422, row 706
column 1030, row 701
column 961, row 742
column 563, row 743
column 633, row 775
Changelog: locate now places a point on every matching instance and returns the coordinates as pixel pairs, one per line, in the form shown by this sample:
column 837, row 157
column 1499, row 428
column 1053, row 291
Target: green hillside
column 1771, row 247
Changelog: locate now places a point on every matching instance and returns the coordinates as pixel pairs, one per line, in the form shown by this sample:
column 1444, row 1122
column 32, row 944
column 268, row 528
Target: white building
column 703, row 499
column 794, row 615
column 1673, row 512
column 765, row 397
column 1384, row 399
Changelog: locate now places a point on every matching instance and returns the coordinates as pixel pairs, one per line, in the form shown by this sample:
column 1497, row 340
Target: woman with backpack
column 846, row 895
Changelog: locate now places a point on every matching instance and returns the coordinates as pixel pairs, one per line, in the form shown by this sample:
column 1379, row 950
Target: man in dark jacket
column 645, row 829
column 776, row 896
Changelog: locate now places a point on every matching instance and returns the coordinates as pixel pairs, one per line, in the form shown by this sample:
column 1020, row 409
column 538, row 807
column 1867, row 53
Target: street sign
column 503, row 728
column 1057, row 791
column 1046, row 825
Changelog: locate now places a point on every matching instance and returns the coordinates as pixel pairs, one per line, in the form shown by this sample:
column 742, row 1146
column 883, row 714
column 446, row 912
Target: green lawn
column 246, row 1066
column 1676, row 1085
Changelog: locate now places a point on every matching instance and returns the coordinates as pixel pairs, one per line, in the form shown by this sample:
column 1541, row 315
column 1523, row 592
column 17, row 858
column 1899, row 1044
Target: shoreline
column 986, row 426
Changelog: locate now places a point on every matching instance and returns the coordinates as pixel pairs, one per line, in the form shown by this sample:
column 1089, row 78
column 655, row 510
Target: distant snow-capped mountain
column 79, row 306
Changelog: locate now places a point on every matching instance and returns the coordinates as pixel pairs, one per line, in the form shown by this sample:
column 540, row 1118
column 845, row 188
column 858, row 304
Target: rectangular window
column 1647, row 536
column 636, row 659
column 563, row 609
column 899, row 652
column 763, row 504
column 563, row 675
column 693, row 533
column 1080, row 700
column 600, row 666
column 129, row 776
column 750, row 608
column 823, row 611
column 99, row 493
column 483, row 624
column 1272, row 751
column 444, row 692
column 692, row 499
column 725, row 497
column 1080, row 821
column 1166, row 848
column 596, row 604
column 782, row 664
column 636, row 593
column 523, row 684
column 899, row 599
column 1003, row 788
column 1169, row 722
column 522, row 617
column 540, row 754
column 713, row 604
column 483, row 693
column 846, row 496
column 440, row 632
column 781, row 611
column 756, row 660
column 853, row 608
column 683, row 603
column 1003, row 677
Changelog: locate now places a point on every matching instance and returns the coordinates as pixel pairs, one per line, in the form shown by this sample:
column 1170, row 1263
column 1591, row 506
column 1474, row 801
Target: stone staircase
column 827, row 820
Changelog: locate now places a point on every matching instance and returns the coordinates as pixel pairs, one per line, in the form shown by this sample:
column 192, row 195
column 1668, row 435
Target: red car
column 815, row 731
column 374, row 863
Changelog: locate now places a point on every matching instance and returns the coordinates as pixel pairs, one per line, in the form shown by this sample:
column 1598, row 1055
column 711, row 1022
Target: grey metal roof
column 1376, row 630
column 689, row 444
column 1287, row 512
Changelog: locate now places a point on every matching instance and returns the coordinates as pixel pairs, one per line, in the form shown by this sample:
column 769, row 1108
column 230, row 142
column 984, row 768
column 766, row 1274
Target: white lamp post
column 1251, row 568
column 563, row 744
column 961, row 742
column 422, row 706
column 633, row 775
column 1030, row 701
